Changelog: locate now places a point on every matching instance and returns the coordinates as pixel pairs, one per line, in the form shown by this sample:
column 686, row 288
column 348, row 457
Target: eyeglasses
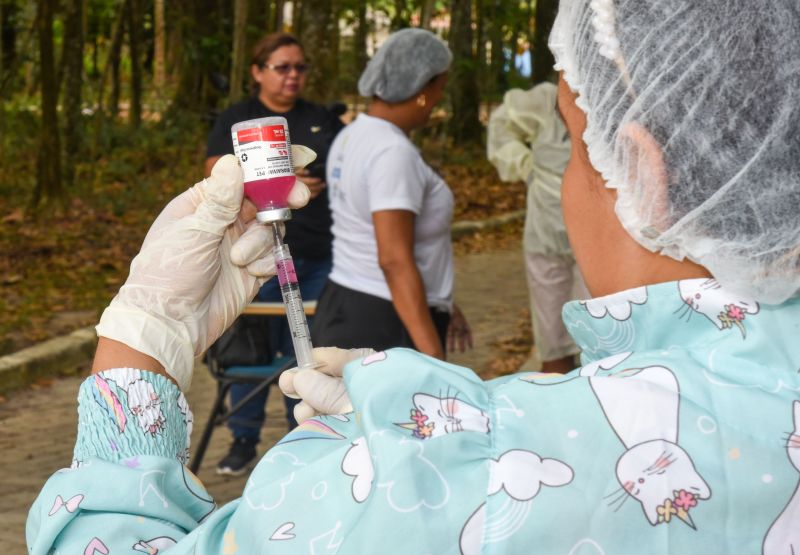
column 284, row 69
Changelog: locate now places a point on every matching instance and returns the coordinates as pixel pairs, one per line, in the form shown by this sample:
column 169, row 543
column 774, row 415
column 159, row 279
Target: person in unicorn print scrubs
column 680, row 432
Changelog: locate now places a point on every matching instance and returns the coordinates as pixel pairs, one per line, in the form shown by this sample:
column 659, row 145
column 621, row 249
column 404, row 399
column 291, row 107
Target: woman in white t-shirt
column 392, row 279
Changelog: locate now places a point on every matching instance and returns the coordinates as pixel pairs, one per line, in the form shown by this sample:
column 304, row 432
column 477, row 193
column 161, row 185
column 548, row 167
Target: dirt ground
column 37, row 426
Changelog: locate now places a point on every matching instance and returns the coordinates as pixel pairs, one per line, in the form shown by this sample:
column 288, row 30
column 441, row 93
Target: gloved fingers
column 222, row 192
column 302, row 156
column 299, row 195
column 286, row 383
column 263, row 268
column 181, row 206
column 229, row 293
column 313, row 383
column 326, row 394
column 303, row 411
column 332, row 360
column 254, row 243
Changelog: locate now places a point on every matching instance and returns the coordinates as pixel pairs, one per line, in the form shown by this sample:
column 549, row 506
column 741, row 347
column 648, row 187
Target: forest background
column 106, row 105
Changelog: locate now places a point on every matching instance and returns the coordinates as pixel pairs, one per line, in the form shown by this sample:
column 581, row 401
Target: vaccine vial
column 264, row 150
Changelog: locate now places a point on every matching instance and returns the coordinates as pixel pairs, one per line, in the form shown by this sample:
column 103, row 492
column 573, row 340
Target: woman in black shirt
column 278, row 69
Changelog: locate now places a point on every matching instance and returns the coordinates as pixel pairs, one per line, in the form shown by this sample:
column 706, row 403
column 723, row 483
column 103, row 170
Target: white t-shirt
column 373, row 166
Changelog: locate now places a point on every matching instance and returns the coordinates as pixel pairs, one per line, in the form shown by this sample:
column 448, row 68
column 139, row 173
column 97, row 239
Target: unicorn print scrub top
column 679, row 434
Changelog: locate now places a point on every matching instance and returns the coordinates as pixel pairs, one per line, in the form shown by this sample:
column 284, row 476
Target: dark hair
column 264, row 49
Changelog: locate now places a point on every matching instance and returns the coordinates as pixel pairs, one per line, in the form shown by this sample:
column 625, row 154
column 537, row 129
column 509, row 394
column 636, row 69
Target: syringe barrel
column 293, row 303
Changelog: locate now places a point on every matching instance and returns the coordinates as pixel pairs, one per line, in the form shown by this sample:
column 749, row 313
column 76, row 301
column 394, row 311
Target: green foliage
column 73, row 257
column 150, row 160
column 72, row 260
column 18, row 143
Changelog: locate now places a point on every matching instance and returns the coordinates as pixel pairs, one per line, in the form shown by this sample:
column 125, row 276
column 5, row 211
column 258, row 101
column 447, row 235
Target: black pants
column 350, row 319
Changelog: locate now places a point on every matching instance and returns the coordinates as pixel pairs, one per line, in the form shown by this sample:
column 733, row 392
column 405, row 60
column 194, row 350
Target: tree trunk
column 189, row 81
column 238, row 50
column 480, row 41
column 464, row 125
column 321, row 41
column 174, row 42
column 94, row 72
column 543, row 61
column 400, row 19
column 272, row 13
column 9, row 28
column 48, row 161
column 299, row 16
column 112, row 65
column 362, row 32
column 497, row 74
column 198, row 29
column 73, row 67
column 3, row 47
column 159, row 47
column 276, row 16
column 135, row 44
column 360, row 38
column 426, row 13
column 280, row 7
column 10, row 34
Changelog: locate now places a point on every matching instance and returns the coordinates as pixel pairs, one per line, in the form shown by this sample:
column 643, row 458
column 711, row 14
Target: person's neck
column 610, row 259
column 276, row 105
column 640, row 267
column 398, row 114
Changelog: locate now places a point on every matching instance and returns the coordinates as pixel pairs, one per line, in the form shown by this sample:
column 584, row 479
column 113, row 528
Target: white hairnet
column 404, row 64
column 717, row 85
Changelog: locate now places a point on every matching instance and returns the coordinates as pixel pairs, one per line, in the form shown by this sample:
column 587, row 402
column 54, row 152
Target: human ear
column 646, row 169
column 255, row 71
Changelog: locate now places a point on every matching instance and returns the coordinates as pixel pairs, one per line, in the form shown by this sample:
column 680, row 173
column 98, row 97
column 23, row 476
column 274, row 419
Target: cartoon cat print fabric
column 641, row 405
column 707, row 298
column 434, row 416
column 784, row 534
column 679, row 434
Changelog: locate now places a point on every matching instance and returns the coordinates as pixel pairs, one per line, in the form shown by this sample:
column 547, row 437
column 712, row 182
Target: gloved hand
column 202, row 261
column 321, row 389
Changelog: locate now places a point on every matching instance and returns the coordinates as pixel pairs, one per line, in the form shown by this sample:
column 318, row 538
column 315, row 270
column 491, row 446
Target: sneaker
column 240, row 458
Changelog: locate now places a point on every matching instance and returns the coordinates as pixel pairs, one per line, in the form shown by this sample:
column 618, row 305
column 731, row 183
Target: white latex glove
column 302, row 156
column 199, row 266
column 321, row 389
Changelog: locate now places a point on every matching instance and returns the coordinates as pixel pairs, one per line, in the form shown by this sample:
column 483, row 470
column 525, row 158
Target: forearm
column 409, row 300
column 394, row 233
column 113, row 354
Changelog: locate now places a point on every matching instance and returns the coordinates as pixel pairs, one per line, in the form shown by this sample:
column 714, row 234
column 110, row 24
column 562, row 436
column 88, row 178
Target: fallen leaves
column 15, row 217
column 511, row 351
column 71, row 262
column 477, row 189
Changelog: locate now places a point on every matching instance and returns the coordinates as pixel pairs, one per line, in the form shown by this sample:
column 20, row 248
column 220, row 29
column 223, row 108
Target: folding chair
column 262, row 376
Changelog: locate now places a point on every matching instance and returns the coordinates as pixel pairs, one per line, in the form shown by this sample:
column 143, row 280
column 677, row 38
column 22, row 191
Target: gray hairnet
column 404, row 64
column 717, row 86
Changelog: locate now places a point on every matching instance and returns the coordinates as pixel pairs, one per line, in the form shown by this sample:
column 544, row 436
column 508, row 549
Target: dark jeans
column 311, row 274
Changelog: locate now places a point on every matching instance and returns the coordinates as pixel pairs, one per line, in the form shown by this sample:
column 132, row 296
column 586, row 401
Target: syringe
column 292, row 301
